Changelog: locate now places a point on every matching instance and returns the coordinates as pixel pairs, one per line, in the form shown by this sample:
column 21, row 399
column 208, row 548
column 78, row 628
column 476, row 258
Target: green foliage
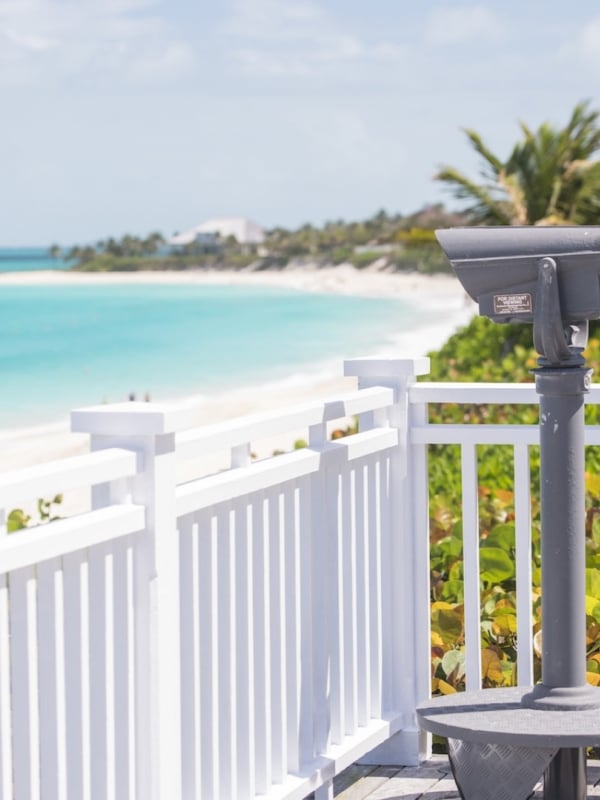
column 17, row 519
column 406, row 242
column 480, row 352
column 550, row 176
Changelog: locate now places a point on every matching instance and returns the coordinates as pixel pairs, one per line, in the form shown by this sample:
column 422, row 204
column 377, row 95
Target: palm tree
column 550, row 177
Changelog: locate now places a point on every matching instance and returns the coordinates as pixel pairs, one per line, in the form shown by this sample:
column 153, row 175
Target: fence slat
column 226, row 689
column 190, row 657
column 387, row 619
column 76, row 649
column 6, row 777
column 24, row 684
column 347, row 534
column 375, row 470
column 244, row 582
column 313, row 714
column 336, row 604
column 51, row 679
column 292, row 626
column 124, row 734
column 100, row 677
column 209, row 730
column 523, row 566
column 277, row 612
column 471, row 566
column 262, row 644
column 363, row 633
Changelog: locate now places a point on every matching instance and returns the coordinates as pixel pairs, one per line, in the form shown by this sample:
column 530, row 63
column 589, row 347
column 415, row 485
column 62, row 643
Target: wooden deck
column 431, row 780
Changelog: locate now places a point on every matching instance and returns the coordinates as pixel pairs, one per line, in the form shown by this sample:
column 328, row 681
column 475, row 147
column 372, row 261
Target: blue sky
column 131, row 115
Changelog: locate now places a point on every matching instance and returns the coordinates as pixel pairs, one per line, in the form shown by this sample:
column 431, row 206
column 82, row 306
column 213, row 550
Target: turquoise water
column 63, row 347
column 26, row 259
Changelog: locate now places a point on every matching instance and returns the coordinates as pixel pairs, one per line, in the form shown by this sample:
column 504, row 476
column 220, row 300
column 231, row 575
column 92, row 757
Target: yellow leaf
column 504, row 603
column 590, row 605
column 445, row 688
column 504, row 496
column 491, row 666
column 593, row 678
column 592, row 483
column 436, row 639
column 507, row 623
column 440, row 604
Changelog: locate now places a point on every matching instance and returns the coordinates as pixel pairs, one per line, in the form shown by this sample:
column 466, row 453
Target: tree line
column 551, row 176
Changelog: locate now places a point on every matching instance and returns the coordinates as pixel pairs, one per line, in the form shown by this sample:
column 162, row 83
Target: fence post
column 406, row 632
column 149, row 430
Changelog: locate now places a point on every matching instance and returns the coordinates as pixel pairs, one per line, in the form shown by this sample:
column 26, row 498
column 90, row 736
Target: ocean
column 73, row 345
column 68, row 346
column 27, row 259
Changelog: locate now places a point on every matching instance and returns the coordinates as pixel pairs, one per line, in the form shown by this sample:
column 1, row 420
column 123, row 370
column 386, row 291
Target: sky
column 129, row 116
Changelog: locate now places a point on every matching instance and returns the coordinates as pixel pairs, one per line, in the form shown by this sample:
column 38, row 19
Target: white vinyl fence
column 246, row 634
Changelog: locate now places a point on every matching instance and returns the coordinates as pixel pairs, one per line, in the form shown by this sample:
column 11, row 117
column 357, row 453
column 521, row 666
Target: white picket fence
column 248, row 634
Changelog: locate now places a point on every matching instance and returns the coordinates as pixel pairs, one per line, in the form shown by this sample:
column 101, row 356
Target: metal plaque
column 513, row 303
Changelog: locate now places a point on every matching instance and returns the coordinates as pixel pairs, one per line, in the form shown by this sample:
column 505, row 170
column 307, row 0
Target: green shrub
column 482, row 352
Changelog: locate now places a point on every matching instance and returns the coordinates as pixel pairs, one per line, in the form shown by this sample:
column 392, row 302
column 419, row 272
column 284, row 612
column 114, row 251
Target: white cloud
column 461, row 24
column 297, row 38
column 273, row 19
column 50, row 39
column 584, row 47
column 29, row 41
column 173, row 60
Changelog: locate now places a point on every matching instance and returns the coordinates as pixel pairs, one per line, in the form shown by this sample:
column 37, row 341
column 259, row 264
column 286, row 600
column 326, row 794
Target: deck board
column 431, row 780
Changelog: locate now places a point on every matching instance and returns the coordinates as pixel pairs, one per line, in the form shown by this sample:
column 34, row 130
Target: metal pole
column 562, row 469
column 563, row 563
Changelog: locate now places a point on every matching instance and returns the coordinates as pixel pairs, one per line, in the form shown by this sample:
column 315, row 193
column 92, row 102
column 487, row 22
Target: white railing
column 246, row 634
column 468, row 436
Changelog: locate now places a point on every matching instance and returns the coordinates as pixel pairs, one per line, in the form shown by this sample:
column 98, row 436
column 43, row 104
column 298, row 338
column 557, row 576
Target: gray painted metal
column 563, row 541
column 566, row 771
column 498, row 267
column 510, row 773
column 498, row 716
column 551, row 277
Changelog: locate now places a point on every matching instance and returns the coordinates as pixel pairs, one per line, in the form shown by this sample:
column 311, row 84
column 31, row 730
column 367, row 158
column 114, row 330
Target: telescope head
column 549, row 276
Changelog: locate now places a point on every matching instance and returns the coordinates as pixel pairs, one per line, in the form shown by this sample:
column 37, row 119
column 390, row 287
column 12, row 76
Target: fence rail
column 246, row 634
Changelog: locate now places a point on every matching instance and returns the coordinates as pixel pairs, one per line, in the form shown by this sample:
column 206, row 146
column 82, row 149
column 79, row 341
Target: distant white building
column 244, row 230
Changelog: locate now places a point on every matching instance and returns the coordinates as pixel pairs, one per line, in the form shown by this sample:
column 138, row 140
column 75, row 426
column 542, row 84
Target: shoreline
column 24, row 446
column 343, row 279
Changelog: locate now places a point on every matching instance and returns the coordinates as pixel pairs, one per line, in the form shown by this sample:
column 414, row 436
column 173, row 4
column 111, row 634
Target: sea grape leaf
column 593, row 666
column 502, row 536
column 592, row 607
column 495, row 564
column 454, row 590
column 445, row 688
column 491, row 666
column 505, row 624
column 447, row 623
column 17, row 520
column 592, row 583
column 592, row 483
column 453, row 663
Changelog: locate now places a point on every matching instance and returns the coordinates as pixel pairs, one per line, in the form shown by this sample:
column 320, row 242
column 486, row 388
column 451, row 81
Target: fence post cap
column 131, row 419
column 382, row 367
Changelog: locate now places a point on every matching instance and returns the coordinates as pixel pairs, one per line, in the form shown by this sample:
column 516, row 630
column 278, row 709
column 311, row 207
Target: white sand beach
column 22, row 447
